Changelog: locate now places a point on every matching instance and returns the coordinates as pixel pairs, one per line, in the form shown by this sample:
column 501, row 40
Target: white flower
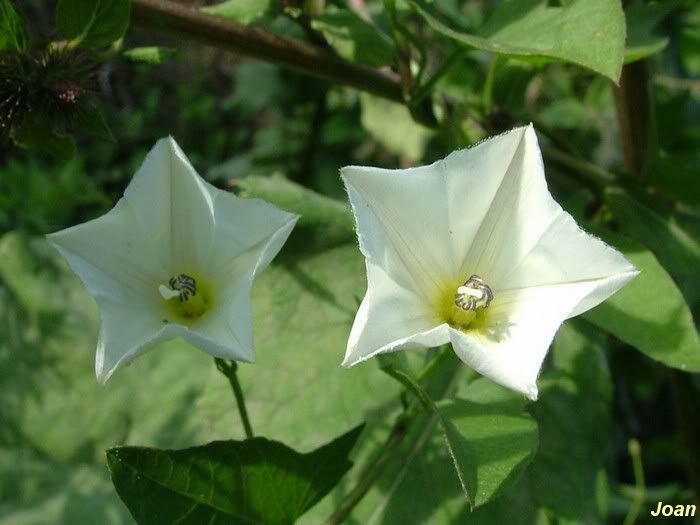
column 175, row 257
column 472, row 250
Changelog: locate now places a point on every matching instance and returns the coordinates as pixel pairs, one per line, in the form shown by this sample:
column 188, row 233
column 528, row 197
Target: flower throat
column 187, row 298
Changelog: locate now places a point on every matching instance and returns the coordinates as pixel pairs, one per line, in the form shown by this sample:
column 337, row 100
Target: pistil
column 473, row 294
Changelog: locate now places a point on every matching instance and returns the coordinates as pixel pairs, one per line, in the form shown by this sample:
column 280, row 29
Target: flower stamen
column 195, row 297
column 473, row 294
column 182, row 286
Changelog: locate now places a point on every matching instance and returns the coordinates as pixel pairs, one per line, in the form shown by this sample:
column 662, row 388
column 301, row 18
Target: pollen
column 186, row 297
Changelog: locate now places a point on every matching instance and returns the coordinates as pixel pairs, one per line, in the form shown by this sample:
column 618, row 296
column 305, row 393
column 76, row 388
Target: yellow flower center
column 464, row 305
column 186, row 298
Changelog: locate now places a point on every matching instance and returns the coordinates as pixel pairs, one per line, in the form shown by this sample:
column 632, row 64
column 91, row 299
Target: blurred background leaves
column 264, row 131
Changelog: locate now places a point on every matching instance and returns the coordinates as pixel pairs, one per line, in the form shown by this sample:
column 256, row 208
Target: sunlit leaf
column 392, row 126
column 484, row 462
column 314, row 209
column 677, row 249
column 590, row 33
column 650, row 312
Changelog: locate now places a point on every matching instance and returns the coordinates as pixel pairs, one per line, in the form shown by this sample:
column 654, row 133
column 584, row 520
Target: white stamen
column 168, row 293
column 473, row 294
column 465, row 290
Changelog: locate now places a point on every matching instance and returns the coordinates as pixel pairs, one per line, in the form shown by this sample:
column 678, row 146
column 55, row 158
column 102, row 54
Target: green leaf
column 243, row 11
column 574, row 420
column 353, row 38
column 392, row 126
column 488, row 448
column 149, row 55
column 494, row 444
column 314, row 209
column 419, row 484
column 323, row 222
column 92, row 23
column 35, row 132
column 671, row 173
column 13, row 30
column 649, row 313
column 590, row 33
column 252, row 481
column 642, row 19
column 673, row 246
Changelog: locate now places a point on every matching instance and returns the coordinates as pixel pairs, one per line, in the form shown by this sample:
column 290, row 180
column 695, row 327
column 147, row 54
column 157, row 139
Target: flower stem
column 192, row 24
column 374, row 469
column 434, row 363
column 229, row 370
column 423, row 91
column 639, row 488
column 591, row 174
column 487, row 93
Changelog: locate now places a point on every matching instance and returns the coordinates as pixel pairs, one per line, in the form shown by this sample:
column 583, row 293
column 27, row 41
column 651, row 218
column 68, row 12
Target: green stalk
column 635, row 452
column 188, row 23
column 375, row 468
column 229, row 370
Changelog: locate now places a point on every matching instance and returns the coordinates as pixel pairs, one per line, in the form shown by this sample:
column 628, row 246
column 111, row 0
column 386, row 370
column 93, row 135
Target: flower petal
column 521, row 209
column 127, row 330
column 175, row 206
column 402, row 223
column 520, row 326
column 249, row 232
column 112, row 256
column 567, row 254
column 228, row 332
column 481, row 185
column 391, row 318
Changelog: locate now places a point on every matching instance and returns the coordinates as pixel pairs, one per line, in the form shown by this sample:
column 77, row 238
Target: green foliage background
column 617, row 374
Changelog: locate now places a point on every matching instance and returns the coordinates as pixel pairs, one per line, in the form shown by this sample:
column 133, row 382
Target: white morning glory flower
column 175, row 257
column 473, row 251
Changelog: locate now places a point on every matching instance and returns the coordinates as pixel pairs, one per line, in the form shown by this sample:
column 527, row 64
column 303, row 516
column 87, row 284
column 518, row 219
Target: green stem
column 372, row 471
column 487, row 93
column 398, row 432
column 191, row 24
column 434, row 364
column 229, row 370
column 423, row 91
column 589, row 173
column 639, row 485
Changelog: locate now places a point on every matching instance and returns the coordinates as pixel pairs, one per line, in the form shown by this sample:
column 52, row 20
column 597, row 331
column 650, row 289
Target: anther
column 473, row 294
column 182, row 286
